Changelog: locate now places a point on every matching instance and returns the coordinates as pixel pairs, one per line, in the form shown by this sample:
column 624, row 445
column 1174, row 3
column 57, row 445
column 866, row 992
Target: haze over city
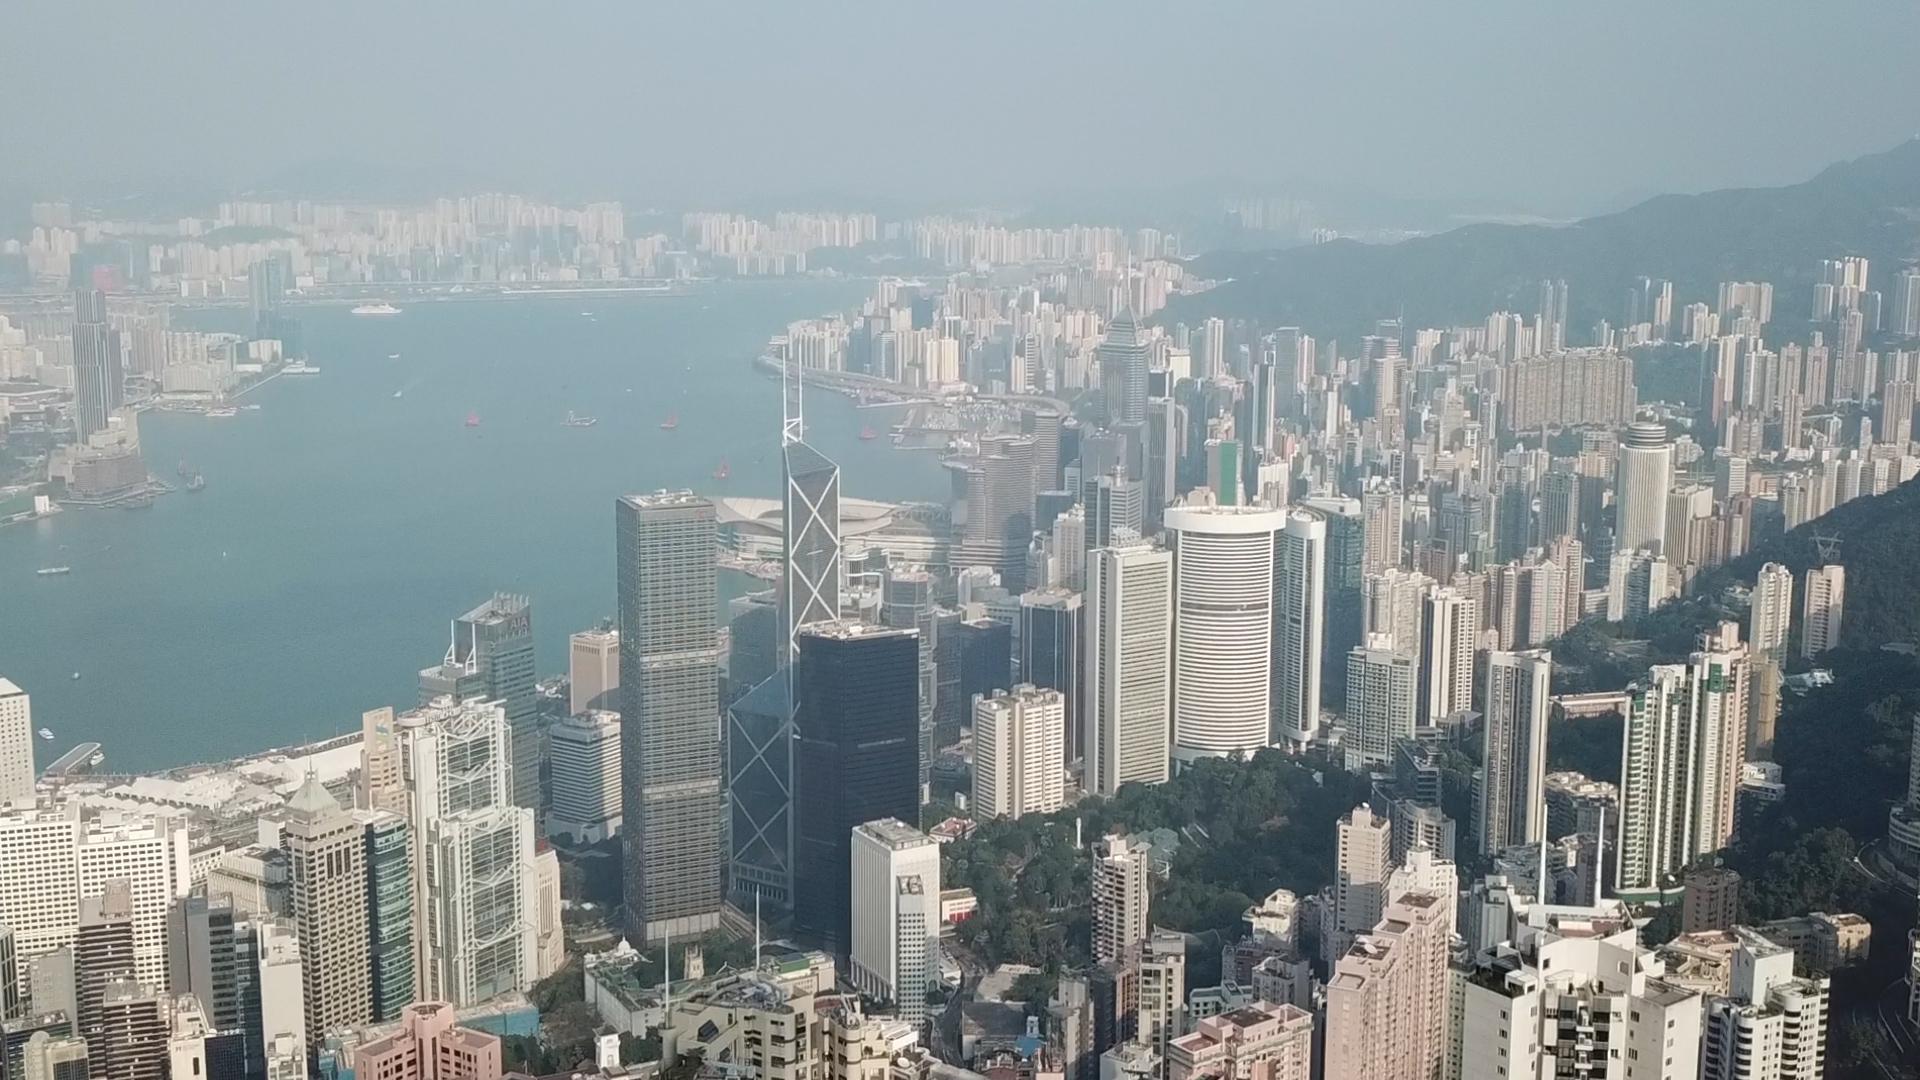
column 1120, row 541
column 1497, row 106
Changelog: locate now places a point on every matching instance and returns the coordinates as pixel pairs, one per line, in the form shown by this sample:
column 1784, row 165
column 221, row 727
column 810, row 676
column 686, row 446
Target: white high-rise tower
column 1770, row 610
column 1224, row 562
column 1301, row 627
column 1642, row 474
column 1129, row 657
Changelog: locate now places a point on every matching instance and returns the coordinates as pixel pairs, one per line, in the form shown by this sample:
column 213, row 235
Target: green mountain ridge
column 1869, row 206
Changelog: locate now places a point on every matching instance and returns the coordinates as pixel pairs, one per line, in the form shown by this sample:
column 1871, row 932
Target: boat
column 197, row 483
column 223, row 412
column 47, row 734
column 376, row 309
column 473, row 419
column 299, row 367
column 181, row 469
column 54, row 571
column 96, row 759
column 393, row 356
column 76, row 676
column 720, row 471
column 867, row 434
column 397, row 393
column 576, row 420
column 672, row 421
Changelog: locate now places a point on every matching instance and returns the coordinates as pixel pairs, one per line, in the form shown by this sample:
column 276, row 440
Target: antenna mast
column 792, row 429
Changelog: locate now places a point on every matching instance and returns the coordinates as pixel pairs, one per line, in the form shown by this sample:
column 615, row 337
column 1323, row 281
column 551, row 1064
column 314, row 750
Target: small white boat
column 76, row 675
column 54, row 571
column 375, row 309
column 393, row 356
column 397, row 393
column 47, row 734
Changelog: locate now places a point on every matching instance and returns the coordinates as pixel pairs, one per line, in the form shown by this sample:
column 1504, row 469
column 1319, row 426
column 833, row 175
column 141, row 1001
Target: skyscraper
column 855, row 758
column 1018, row 752
column 1825, row 600
column 1449, row 636
column 760, row 747
column 1381, row 508
column 583, row 759
column 326, row 852
column 593, row 669
column 906, row 603
column 1512, row 805
column 490, row 655
column 1300, row 606
column 1685, row 742
column 132, row 1034
column 810, row 519
column 102, row 955
column 16, row 743
column 1115, row 509
column 1121, row 883
column 1123, row 369
column 1363, row 858
column 1052, row 628
column 896, row 915
column 1380, row 703
column 1770, row 610
column 98, row 378
column 472, row 854
column 670, row 717
column 1225, row 628
column 1387, row 1015
column 1129, row 651
column 390, row 910
column 1642, row 474
column 1772, row 1024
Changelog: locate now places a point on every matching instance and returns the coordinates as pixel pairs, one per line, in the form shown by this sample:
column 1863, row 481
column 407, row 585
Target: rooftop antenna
column 792, row 429
column 756, row 929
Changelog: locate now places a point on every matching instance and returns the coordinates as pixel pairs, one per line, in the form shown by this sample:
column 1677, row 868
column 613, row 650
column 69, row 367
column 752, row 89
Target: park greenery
column 1243, row 829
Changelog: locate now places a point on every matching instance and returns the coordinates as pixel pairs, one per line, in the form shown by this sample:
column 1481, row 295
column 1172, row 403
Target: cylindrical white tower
column 1641, row 476
column 1223, row 574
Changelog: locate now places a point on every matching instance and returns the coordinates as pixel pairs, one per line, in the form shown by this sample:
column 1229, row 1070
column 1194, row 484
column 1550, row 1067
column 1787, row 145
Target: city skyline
column 1230, row 625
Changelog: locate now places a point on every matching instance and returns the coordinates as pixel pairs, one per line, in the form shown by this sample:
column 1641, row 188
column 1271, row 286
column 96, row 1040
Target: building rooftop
column 664, row 499
column 853, row 630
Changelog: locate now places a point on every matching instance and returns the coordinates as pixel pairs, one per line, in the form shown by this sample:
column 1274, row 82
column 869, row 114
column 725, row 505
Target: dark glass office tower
column 756, row 647
column 856, row 718
column 99, row 380
column 760, row 794
column 1123, row 369
column 1051, row 624
column 673, row 805
column 810, row 574
column 986, row 659
column 389, row 911
column 496, row 641
column 201, row 956
column 906, row 603
column 949, row 708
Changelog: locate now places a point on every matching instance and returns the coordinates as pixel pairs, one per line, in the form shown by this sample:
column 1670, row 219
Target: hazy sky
column 1546, row 105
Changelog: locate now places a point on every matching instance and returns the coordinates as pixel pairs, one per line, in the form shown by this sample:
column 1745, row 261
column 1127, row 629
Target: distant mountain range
column 1869, row 206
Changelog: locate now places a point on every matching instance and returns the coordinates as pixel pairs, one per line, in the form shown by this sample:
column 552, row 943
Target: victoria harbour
column 355, row 512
